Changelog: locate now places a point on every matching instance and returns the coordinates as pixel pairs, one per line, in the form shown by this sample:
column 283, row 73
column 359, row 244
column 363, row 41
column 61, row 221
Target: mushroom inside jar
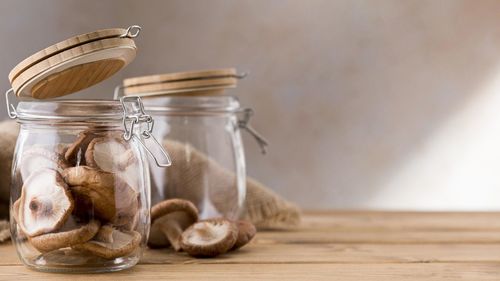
column 83, row 197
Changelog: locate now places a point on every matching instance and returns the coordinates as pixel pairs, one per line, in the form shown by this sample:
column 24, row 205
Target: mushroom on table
column 169, row 219
column 246, row 231
column 209, row 238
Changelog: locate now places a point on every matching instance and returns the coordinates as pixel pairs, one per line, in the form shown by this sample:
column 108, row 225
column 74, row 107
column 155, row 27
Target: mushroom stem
column 172, row 229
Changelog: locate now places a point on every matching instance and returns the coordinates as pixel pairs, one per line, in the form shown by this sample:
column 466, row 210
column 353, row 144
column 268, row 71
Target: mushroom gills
column 209, row 238
column 208, row 234
column 109, row 154
column 46, row 203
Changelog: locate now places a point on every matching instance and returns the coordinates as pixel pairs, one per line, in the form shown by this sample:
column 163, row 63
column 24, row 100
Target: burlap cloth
column 262, row 207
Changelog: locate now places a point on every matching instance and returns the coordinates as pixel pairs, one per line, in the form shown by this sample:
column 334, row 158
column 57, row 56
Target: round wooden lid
column 206, row 82
column 74, row 64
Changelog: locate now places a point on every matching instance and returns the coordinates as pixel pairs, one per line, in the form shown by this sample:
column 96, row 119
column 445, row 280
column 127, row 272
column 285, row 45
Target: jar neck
column 82, row 112
column 192, row 104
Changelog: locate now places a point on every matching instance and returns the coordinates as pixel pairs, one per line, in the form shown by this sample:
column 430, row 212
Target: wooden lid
column 74, row 64
column 206, row 82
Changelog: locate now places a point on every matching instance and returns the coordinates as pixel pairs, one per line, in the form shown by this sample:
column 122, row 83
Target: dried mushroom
column 46, row 203
column 209, row 238
column 37, row 158
column 122, row 243
column 111, row 198
column 109, row 154
column 75, row 154
column 71, row 234
column 246, row 231
column 84, row 196
column 112, row 154
column 169, row 218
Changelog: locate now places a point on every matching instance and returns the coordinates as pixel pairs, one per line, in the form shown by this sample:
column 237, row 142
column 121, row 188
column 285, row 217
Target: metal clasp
column 11, row 110
column 133, row 118
column 131, row 32
column 244, row 124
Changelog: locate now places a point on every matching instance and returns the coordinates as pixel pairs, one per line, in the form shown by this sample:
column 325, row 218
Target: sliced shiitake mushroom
column 169, row 218
column 209, row 238
column 37, row 157
column 246, row 231
column 46, row 203
column 111, row 199
column 71, row 234
column 122, row 244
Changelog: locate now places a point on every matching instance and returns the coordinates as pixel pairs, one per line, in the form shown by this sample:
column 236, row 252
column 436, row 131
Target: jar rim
column 194, row 104
column 70, row 110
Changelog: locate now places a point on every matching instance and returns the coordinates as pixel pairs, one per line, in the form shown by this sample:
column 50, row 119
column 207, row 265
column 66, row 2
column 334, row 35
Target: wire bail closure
column 11, row 110
column 244, row 124
column 130, row 122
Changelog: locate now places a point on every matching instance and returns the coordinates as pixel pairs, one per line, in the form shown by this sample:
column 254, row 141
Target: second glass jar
column 202, row 136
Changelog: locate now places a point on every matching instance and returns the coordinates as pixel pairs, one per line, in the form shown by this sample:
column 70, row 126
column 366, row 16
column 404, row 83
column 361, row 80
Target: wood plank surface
column 337, row 245
column 347, row 272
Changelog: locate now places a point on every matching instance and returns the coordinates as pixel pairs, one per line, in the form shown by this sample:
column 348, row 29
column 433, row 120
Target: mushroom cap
column 110, row 154
column 123, row 243
column 75, row 153
column 46, row 203
column 107, row 195
column 93, row 189
column 37, row 157
column 77, row 234
column 209, row 238
column 246, row 231
column 174, row 205
column 183, row 212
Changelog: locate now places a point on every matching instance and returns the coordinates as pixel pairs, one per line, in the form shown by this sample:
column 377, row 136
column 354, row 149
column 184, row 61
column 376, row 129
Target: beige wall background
column 367, row 104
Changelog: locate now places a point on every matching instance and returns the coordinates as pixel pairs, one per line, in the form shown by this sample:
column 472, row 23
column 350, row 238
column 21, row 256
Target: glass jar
column 202, row 135
column 80, row 195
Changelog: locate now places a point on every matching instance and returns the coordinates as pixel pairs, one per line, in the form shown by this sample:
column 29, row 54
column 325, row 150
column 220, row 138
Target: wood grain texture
column 225, row 82
column 179, row 76
column 329, row 246
column 74, row 69
column 63, row 46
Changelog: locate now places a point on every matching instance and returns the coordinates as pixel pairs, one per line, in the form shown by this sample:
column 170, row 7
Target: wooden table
column 330, row 246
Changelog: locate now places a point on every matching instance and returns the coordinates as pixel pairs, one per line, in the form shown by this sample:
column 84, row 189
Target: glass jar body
column 80, row 197
column 203, row 139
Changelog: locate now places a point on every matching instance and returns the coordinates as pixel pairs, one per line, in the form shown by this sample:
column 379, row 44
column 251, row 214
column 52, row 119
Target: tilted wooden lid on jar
column 205, row 82
column 74, row 64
